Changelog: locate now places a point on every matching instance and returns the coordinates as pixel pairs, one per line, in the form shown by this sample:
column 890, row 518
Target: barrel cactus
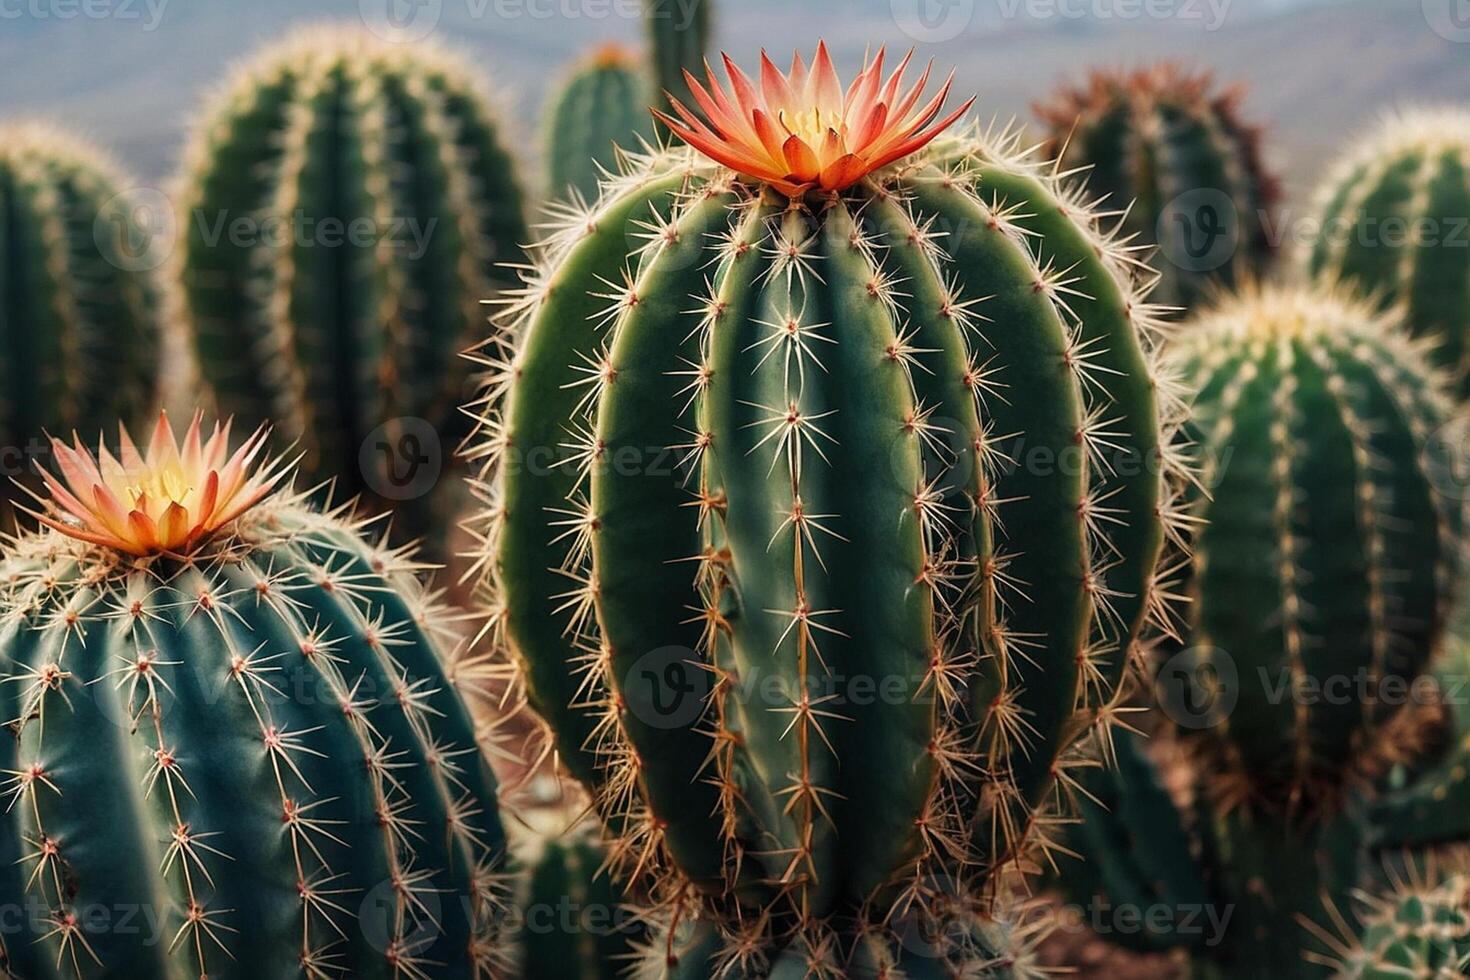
column 824, row 491
column 602, row 107
column 1174, row 149
column 80, row 342
column 1393, row 223
column 678, row 39
column 345, row 207
column 237, row 748
column 1419, row 930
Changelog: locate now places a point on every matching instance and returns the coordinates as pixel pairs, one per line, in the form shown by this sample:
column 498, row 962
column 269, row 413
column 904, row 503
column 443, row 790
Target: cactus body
column 254, row 753
column 344, row 207
column 752, row 537
column 678, row 39
column 1174, row 149
column 1329, row 553
column 80, row 343
column 1415, row 932
column 1393, row 224
column 602, row 106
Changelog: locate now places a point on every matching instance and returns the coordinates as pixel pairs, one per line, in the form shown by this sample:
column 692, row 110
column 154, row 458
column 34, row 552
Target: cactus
column 601, row 107
column 1417, row 930
column 1174, row 149
column 575, row 919
column 678, row 38
column 1392, row 216
column 823, row 502
column 345, row 204
column 237, row 750
column 79, row 327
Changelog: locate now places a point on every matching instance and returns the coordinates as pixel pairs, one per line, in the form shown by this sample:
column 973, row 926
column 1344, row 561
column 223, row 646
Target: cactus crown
column 1311, row 401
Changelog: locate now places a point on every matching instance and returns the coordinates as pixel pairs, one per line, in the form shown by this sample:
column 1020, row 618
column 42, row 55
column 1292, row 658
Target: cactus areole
column 823, row 500
column 234, row 748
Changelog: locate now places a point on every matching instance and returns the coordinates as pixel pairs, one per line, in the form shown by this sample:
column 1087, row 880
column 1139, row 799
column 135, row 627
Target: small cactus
column 1393, row 224
column 345, row 207
column 235, row 717
column 602, row 107
column 1417, row 932
column 823, row 508
column 678, row 38
column 80, row 342
column 1173, row 149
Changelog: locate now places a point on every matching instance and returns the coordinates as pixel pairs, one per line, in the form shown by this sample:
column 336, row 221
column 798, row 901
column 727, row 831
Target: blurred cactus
column 818, row 649
column 345, row 205
column 1393, row 216
column 80, row 337
column 1417, row 931
column 601, row 107
column 1173, row 149
column 679, row 34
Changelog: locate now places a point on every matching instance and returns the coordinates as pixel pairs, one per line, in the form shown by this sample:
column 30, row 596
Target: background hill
column 1317, row 69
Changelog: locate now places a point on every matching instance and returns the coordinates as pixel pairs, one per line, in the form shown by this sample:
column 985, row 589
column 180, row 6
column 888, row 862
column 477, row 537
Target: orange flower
column 800, row 131
column 166, row 501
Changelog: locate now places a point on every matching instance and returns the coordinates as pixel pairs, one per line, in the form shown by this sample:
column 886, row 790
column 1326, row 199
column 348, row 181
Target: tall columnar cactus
column 603, row 106
column 1393, row 219
column 1173, row 149
column 236, row 746
column 79, row 327
column 345, row 205
column 678, row 39
column 823, row 503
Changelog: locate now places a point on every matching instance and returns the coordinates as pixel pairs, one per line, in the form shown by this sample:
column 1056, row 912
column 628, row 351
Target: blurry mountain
column 1317, row 69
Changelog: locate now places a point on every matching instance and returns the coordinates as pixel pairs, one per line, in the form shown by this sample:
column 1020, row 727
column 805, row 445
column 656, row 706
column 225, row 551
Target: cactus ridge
column 1151, row 135
column 1405, row 181
column 80, row 344
column 1419, row 928
column 825, row 503
column 260, row 743
column 599, row 109
column 346, row 203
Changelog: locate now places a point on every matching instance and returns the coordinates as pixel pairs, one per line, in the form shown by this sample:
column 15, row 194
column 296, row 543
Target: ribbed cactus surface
column 1174, row 149
column 1421, row 932
column 80, row 342
column 344, row 206
column 1328, row 551
column 247, row 760
column 823, row 530
column 1393, row 223
column 603, row 105
column 678, row 38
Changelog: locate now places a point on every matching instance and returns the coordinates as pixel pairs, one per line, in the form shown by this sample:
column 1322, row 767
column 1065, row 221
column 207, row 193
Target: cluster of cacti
column 822, row 517
column 601, row 108
column 1172, row 150
column 234, row 745
column 575, row 919
column 345, row 207
column 80, row 343
column 1393, row 220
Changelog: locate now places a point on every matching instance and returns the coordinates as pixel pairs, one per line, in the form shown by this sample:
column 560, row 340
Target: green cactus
column 1416, row 931
column 823, row 530
column 1392, row 219
column 678, row 39
column 345, row 205
column 603, row 106
column 575, row 919
column 80, row 342
column 1173, row 149
column 235, row 755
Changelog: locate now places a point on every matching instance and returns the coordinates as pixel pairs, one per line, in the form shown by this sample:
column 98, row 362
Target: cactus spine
column 751, row 534
column 1393, row 218
column 1418, row 930
column 1177, row 148
column 601, row 107
column 80, row 342
column 678, row 38
column 249, row 744
column 345, row 205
